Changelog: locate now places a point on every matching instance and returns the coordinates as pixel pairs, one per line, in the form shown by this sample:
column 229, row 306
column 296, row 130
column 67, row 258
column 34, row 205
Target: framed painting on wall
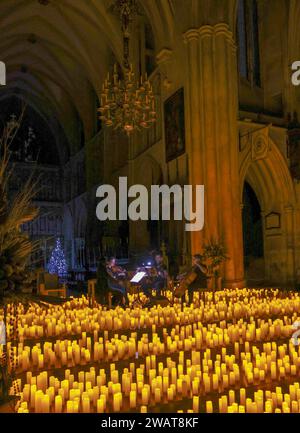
column 174, row 125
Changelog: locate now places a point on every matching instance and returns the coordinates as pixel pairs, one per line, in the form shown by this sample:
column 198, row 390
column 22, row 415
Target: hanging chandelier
column 127, row 103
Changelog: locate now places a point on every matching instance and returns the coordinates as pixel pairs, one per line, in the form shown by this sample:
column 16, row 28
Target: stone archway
column 264, row 167
column 252, row 236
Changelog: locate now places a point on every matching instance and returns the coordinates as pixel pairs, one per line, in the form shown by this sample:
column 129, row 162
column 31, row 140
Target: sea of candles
column 164, row 382
column 83, row 359
column 92, row 349
column 75, row 317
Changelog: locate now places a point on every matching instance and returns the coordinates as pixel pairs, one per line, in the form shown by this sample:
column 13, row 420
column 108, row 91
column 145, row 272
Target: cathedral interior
column 224, row 115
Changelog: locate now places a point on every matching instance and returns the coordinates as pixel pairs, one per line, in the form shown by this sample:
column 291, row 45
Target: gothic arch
column 270, row 179
column 68, row 226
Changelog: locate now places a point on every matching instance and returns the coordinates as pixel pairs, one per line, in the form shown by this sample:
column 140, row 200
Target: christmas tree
column 57, row 264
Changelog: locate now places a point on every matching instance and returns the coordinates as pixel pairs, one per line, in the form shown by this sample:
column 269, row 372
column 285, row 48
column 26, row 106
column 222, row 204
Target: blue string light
column 57, row 264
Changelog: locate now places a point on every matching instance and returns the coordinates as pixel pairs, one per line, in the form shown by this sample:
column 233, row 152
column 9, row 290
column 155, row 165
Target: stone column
column 212, row 100
column 195, row 148
column 290, row 259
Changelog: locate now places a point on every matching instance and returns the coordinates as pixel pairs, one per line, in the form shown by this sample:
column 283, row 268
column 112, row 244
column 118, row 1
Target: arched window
column 149, row 49
column 248, row 41
column 146, row 47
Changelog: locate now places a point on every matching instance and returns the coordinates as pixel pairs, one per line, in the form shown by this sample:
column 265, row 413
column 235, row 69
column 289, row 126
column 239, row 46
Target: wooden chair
column 49, row 285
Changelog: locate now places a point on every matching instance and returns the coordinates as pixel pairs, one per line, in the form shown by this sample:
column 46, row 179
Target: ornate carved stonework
column 294, row 146
column 260, row 144
column 273, row 221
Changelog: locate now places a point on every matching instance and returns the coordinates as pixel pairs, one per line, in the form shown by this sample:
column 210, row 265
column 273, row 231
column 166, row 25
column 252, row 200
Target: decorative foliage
column 15, row 250
column 57, row 264
column 15, row 246
column 214, row 255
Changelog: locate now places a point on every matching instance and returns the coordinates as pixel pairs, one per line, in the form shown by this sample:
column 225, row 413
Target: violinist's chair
column 91, row 293
column 49, row 285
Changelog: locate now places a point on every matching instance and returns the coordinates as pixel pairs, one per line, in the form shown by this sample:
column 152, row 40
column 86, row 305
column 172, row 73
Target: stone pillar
column 290, row 259
column 212, row 110
column 194, row 144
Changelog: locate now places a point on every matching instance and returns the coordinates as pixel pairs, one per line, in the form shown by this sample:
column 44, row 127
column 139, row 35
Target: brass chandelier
column 126, row 103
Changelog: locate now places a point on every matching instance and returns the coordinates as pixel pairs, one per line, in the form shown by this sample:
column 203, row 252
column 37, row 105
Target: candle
column 170, row 394
column 70, row 406
column 209, row 407
column 157, row 395
column 81, row 376
column 195, row 404
column 285, row 408
column 100, row 405
column 248, row 405
column 232, row 377
column 33, row 390
column 231, row 396
column 117, row 402
column 58, row 403
column 273, row 371
column 132, row 399
column 145, row 396
column 256, row 373
column 225, row 381
column 295, row 407
column 206, row 381
column 215, row 380
column 261, row 375
column 85, row 405
column 173, row 375
column 165, row 383
column 26, row 392
column 243, row 396
column 223, row 404
column 45, row 404
column 64, row 361
column 38, row 401
column 65, row 387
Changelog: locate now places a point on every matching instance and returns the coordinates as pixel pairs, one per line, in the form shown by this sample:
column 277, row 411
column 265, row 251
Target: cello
column 184, row 284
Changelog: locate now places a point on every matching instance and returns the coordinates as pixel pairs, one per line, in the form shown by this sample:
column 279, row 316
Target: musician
column 199, row 270
column 117, row 279
column 158, row 277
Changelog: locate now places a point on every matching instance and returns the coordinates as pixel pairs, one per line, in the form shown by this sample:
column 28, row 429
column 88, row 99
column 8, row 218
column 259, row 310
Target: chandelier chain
column 126, row 103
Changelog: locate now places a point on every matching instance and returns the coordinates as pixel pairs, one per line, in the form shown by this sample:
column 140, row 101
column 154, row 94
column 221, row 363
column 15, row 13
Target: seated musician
column 158, row 277
column 117, row 280
column 198, row 274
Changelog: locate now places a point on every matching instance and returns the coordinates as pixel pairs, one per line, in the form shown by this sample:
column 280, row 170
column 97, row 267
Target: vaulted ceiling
column 57, row 53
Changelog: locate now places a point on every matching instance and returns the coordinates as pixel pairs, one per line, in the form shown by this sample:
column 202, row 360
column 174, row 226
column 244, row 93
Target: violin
column 118, row 272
